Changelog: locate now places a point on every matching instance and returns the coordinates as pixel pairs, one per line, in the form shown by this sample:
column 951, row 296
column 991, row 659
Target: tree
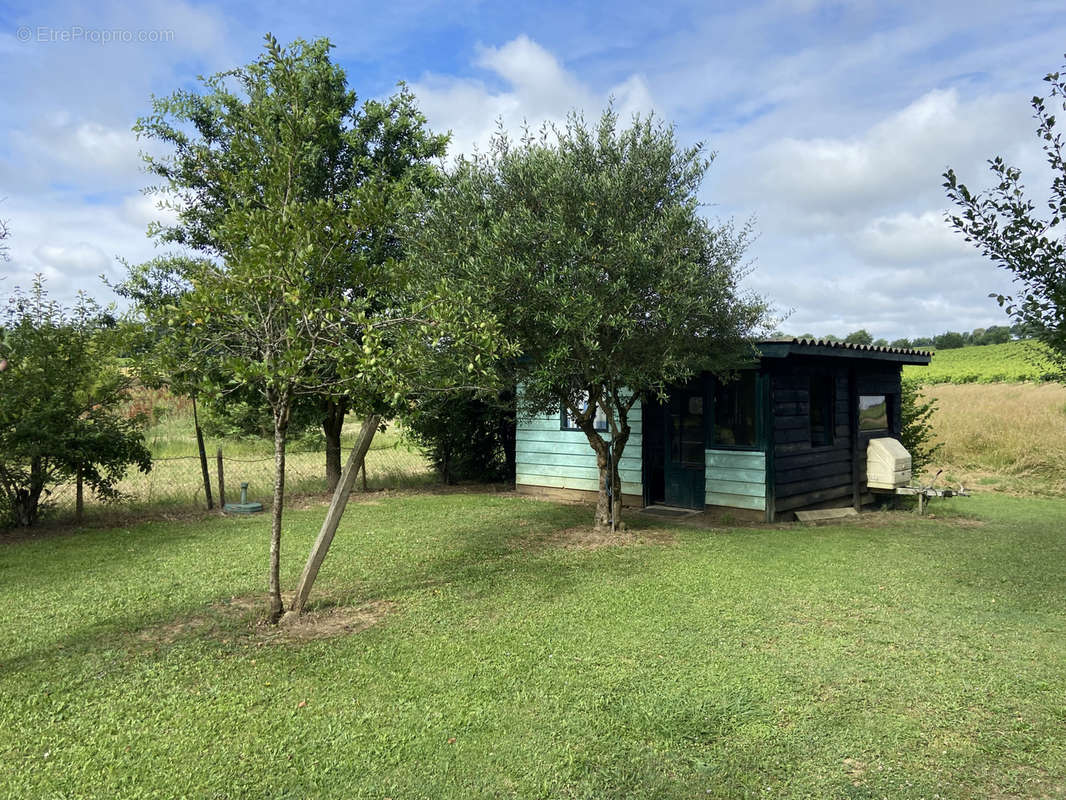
column 902, row 343
column 588, row 245
column 949, row 340
column 273, row 310
column 384, row 147
column 861, row 336
column 61, row 393
column 1003, row 223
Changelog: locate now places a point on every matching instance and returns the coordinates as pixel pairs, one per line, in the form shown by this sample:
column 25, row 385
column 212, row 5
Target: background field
column 176, row 482
column 990, row 363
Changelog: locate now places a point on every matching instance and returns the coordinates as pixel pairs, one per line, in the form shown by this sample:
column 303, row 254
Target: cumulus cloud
column 536, row 89
column 896, row 160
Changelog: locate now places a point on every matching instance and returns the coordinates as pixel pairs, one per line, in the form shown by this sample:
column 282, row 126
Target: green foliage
column 861, row 336
column 1005, row 226
column 467, row 436
column 917, row 434
column 949, row 340
column 61, row 391
column 589, row 245
column 290, row 295
column 994, row 363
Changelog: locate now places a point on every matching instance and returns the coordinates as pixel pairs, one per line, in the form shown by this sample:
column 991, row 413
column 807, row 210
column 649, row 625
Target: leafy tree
column 880, row 342
column 273, row 310
column 384, row 148
column 467, row 436
column 589, row 246
column 917, row 434
column 1004, row 224
column 995, row 334
column 61, row 394
column 922, row 341
column 904, row 343
column 949, row 340
column 861, row 336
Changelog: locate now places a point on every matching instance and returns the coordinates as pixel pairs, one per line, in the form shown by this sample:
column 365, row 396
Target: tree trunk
column 332, row 423
column 203, row 456
column 333, row 517
column 608, row 508
column 282, row 410
column 28, row 500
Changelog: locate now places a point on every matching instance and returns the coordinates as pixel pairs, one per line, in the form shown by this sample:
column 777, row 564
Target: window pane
column 873, row 412
column 734, row 411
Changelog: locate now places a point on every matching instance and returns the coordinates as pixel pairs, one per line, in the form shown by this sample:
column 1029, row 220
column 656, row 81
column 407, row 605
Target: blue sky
column 832, row 121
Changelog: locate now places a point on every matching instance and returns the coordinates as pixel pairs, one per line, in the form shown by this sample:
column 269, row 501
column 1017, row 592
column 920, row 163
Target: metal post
column 221, row 482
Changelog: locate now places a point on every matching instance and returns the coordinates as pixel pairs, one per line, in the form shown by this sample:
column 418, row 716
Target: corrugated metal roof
column 905, row 351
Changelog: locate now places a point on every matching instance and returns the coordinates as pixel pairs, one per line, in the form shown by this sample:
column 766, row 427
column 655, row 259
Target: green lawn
column 899, row 658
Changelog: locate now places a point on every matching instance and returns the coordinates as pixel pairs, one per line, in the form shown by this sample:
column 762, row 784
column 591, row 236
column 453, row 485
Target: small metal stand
column 925, row 493
column 243, row 507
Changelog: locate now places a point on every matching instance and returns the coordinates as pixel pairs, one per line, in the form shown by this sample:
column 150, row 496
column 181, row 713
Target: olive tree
column 588, row 243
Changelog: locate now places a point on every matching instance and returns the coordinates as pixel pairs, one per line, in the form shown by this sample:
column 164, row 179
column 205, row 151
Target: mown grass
column 899, row 657
column 1010, row 362
column 1007, row 437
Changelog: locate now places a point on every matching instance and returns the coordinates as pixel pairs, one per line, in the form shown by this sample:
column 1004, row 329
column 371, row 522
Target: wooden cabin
column 791, row 433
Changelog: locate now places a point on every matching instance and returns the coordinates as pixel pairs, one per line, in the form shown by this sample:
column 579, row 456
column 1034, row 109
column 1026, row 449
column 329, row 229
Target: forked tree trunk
column 281, row 423
column 318, row 552
column 608, row 454
column 332, row 424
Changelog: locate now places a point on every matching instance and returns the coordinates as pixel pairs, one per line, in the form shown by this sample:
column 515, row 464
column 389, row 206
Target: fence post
column 203, row 456
column 364, row 474
column 221, row 482
column 79, row 498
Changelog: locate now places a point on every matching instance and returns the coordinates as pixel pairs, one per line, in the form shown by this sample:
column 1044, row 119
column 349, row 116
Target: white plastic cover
column 888, row 464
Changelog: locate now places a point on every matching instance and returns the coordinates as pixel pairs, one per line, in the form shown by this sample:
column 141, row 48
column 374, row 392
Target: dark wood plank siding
column 806, row 474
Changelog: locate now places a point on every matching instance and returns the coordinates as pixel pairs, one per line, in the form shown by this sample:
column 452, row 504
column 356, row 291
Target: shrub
column 917, row 433
column 466, row 437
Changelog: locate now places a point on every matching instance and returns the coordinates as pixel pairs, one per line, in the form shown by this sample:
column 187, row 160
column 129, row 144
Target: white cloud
column 905, row 239
column 538, row 89
column 897, row 160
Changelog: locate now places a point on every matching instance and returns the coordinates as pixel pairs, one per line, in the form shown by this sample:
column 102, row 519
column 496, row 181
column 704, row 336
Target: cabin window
column 734, row 411
column 567, row 422
column 873, row 412
column 822, row 396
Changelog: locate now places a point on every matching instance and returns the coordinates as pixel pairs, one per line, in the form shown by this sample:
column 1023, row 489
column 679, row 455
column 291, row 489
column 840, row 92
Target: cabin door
column 685, row 448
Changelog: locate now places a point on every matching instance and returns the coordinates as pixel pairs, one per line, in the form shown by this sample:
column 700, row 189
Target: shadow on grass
column 528, row 541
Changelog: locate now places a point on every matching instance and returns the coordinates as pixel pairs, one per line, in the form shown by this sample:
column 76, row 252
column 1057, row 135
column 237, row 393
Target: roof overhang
column 783, row 348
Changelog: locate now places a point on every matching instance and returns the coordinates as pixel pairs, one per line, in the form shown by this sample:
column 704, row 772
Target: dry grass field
column 1003, row 436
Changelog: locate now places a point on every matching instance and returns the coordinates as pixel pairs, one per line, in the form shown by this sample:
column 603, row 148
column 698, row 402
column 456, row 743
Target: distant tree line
column 949, row 340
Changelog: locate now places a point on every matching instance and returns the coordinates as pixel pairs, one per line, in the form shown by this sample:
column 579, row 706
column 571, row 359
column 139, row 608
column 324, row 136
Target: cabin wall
column 547, row 458
column 735, row 479
column 806, row 474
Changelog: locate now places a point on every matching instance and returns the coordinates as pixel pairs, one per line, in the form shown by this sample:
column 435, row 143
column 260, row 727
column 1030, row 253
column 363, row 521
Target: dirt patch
column 333, row 621
column 223, row 620
column 588, row 538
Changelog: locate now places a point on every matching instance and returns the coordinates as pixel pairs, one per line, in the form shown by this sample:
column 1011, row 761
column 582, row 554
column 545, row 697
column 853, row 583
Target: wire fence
column 177, row 482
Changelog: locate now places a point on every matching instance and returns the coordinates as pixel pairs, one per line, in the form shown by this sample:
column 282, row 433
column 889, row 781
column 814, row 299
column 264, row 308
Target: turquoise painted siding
column 735, row 479
column 547, row 456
